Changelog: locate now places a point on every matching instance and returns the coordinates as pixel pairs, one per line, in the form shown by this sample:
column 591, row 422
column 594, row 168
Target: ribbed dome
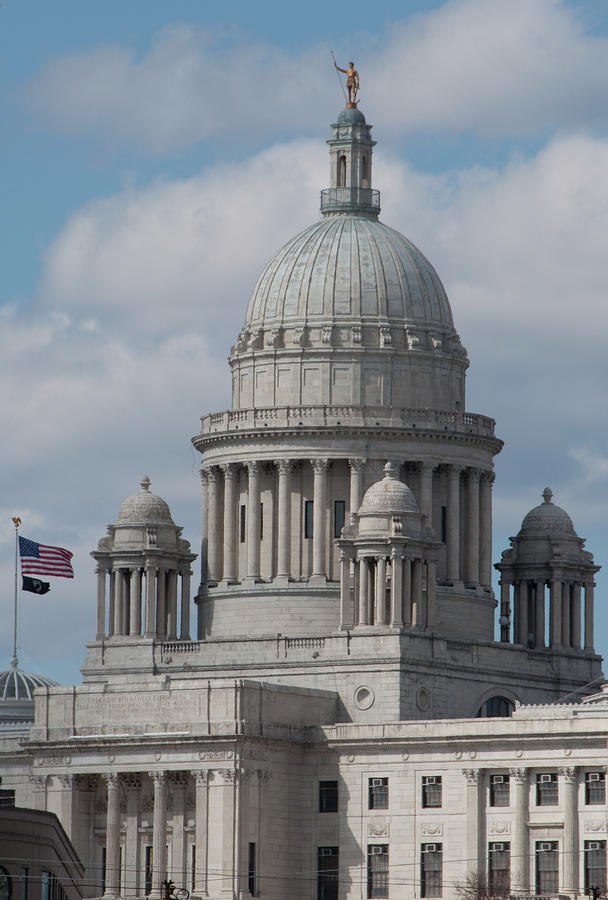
column 19, row 686
column 388, row 496
column 547, row 519
column 349, row 267
column 144, row 507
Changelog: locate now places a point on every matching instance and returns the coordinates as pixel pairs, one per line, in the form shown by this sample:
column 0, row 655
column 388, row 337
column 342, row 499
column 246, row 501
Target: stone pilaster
column 132, row 887
column 113, row 836
column 474, row 850
column 568, row 789
column 179, row 783
column 201, row 777
column 205, row 524
column 519, row 838
column 159, row 835
column 161, row 602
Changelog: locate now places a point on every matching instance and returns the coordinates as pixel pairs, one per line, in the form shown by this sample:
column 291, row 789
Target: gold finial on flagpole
column 16, row 521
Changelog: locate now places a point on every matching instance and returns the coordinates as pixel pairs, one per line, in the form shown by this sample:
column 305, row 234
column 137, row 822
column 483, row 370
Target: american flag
column 38, row 559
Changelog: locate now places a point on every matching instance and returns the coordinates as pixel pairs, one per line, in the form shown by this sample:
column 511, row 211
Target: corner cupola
column 350, row 155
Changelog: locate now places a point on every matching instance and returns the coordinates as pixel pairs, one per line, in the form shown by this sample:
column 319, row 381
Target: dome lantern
column 350, row 156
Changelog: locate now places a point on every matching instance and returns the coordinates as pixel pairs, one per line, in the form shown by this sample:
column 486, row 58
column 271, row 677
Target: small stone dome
column 351, row 116
column 547, row 519
column 144, row 507
column 388, row 496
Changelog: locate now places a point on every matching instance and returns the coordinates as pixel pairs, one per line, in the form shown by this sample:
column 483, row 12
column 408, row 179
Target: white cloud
column 485, row 66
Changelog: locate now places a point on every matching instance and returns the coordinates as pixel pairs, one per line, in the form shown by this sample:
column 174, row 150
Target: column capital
column 472, row 776
column 488, row 477
column 204, row 473
column 264, row 775
column 67, row 781
column 253, row 466
column 230, row 470
column 102, row 570
column 473, row 475
column 39, row 781
column 320, row 465
column 285, row 466
column 112, row 779
column 519, row 776
column 201, row 776
column 455, row 468
column 356, row 463
column 213, row 473
column 569, row 774
column 158, row 777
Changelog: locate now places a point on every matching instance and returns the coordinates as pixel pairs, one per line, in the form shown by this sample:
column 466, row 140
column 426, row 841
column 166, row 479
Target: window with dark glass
column 499, row 790
column 431, row 791
column 327, row 873
column 547, row 867
column 546, row 789
column 251, row 870
column 328, row 796
column 595, row 788
column 499, row 868
column 378, row 793
column 496, row 707
column 595, row 866
column 339, row 517
column 7, row 798
column 443, row 528
column 431, row 870
column 25, row 877
column 377, row 870
column 308, row 518
column 243, row 520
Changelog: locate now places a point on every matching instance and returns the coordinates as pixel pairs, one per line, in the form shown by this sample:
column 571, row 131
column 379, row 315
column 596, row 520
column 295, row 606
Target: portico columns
column 119, row 585
column 589, row 585
column 347, row 611
column 172, row 605
column 539, row 605
column 213, row 522
column 112, row 603
column 519, row 842
column 566, row 613
column 205, row 525
column 320, row 468
column 159, row 836
column 161, row 602
column 396, row 588
column 101, row 603
column 230, row 485
column 407, row 592
column 113, row 836
column 505, row 610
column 472, row 537
column 485, row 529
column 556, row 611
column 201, row 777
column 363, row 591
column 426, row 492
column 150, row 601
column 131, row 888
column 185, row 609
column 356, row 483
column 416, row 589
column 453, row 523
column 254, row 469
column 474, row 854
column 576, row 616
column 178, row 850
column 135, row 600
column 381, row 617
column 285, row 468
column 568, row 788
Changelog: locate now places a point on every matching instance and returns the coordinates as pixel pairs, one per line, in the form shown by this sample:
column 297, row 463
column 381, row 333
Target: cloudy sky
column 155, row 155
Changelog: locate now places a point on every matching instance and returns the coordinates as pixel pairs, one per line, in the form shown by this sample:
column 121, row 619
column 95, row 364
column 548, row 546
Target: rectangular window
column 25, row 874
column 339, row 517
column 431, row 866
column 7, row 798
column 431, row 791
column 547, row 867
column 595, row 788
column 499, row 790
column 243, row 522
column 546, row 790
column 46, row 885
column 595, row 866
column 308, row 518
column 378, row 793
column 328, row 796
column 443, row 524
column 251, row 870
column 499, row 869
column 147, row 869
column 377, row 870
column 327, row 873
column 261, row 521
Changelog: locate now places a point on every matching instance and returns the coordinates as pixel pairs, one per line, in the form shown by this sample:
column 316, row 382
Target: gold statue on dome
column 352, row 83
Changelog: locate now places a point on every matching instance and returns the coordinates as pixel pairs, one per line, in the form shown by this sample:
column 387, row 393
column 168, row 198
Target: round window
column 364, row 697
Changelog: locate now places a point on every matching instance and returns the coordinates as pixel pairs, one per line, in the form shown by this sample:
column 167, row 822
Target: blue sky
column 155, row 155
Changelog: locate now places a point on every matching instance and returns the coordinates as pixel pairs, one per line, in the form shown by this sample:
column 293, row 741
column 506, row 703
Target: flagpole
column 16, row 523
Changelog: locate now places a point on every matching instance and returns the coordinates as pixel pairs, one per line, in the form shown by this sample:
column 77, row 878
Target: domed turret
column 388, row 496
column 144, row 507
column 547, row 519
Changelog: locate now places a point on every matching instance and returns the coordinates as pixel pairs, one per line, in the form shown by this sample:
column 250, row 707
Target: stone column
column 431, row 592
column 172, row 605
column 407, row 592
column 101, row 603
column 524, row 624
column 396, row 588
column 131, row 887
column 472, row 536
column 363, row 591
column 113, row 836
column 179, row 782
column 381, row 611
column 555, row 587
column 253, row 519
column 201, row 777
column 135, row 617
column 474, row 850
column 453, row 523
column 426, row 492
column 112, row 603
column 205, row 524
column 519, row 837
column 416, row 591
column 357, row 467
column 185, row 609
column 320, row 468
column 576, row 615
column 347, row 612
column 159, row 835
column 589, row 585
column 230, row 523
column 539, row 606
column 566, row 613
column 39, row 786
column 568, row 789
column 285, row 468
column 119, row 593
column 150, row 601
column 485, row 528
column 161, row 602
column 505, row 610
column 214, row 549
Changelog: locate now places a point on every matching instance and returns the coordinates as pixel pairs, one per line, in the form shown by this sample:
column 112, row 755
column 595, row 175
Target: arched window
column 364, row 171
column 496, row 707
column 342, row 171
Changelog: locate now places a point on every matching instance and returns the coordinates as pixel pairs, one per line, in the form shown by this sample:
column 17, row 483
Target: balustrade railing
column 350, row 199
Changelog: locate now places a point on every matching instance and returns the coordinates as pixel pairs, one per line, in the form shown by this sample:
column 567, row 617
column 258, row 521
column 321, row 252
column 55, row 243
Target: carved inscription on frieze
column 120, row 707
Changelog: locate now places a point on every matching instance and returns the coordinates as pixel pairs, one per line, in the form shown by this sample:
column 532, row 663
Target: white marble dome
column 144, row 507
column 547, row 519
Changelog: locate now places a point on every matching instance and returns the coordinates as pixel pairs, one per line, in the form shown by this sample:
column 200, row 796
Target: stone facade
column 344, row 723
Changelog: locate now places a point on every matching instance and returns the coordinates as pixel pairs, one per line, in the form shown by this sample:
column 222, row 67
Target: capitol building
column 353, row 714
